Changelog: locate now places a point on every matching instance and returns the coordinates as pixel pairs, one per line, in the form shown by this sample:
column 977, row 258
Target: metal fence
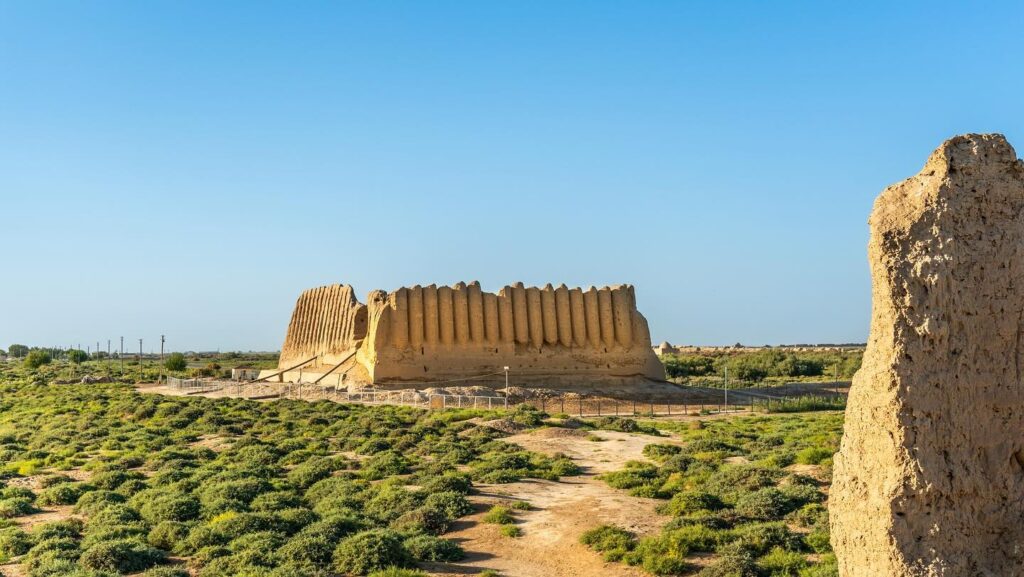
column 575, row 405
column 599, row 407
column 311, row 392
column 196, row 386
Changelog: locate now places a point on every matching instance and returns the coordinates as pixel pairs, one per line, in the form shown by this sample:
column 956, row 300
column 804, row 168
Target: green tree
column 77, row 356
column 37, row 358
column 17, row 351
column 175, row 362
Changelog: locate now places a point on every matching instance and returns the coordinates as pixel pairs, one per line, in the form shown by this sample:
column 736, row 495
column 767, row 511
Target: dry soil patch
column 561, row 512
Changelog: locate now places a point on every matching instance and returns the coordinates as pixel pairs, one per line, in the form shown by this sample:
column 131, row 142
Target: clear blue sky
column 188, row 168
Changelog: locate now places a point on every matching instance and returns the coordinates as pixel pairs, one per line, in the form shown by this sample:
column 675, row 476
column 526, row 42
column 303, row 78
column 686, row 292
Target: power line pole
column 121, row 356
column 140, row 360
column 161, row 357
column 727, row 390
column 506, row 387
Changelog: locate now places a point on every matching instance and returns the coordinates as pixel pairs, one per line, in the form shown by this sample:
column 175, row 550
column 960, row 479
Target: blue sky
column 188, row 168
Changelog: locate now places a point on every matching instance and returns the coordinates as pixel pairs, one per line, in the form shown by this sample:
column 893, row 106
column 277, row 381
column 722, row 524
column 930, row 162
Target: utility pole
column 727, row 390
column 140, row 360
column 121, row 356
column 506, row 387
column 161, row 357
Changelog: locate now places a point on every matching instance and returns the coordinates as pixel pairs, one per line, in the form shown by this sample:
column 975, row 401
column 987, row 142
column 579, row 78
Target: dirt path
column 561, row 512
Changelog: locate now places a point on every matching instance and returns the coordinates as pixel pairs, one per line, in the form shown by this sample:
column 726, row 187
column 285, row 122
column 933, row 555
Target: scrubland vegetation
column 159, row 486
column 235, row 488
column 767, row 366
column 746, row 496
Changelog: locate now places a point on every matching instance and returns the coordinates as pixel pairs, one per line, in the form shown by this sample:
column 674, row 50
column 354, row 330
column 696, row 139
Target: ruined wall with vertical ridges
column 434, row 333
column 326, row 321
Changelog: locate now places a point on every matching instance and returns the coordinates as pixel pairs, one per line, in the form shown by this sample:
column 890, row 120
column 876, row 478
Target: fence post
column 669, row 405
column 562, row 400
column 581, row 406
column 599, row 407
column 634, row 407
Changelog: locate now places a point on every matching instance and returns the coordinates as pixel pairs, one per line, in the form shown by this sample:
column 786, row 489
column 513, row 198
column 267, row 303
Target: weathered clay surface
column 422, row 334
column 929, row 479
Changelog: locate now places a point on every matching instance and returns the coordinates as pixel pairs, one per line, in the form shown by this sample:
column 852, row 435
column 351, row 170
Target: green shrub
column 499, row 515
column 65, row 528
column 448, row 482
column 275, row 501
column 60, row 494
column 825, row 567
column 176, row 362
column 759, row 538
column 398, row 572
column 613, row 542
column 385, row 464
column 170, row 507
column 15, row 507
column 660, row 453
column 511, row 531
column 765, row 504
column 121, row 556
column 95, row 501
column 660, row 555
column 390, row 502
column 47, row 481
column 781, row 563
column 732, row 563
column 689, row 502
column 813, row 455
column 430, row 548
column 14, row 542
column 312, row 471
column 369, row 551
column 453, row 504
column 37, row 358
column 818, row 541
column 167, row 535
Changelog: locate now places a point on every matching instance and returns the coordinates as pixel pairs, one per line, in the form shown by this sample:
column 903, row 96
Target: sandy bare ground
column 561, row 512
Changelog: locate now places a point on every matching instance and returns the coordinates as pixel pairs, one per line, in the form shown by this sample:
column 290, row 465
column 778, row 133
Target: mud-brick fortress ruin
column 461, row 334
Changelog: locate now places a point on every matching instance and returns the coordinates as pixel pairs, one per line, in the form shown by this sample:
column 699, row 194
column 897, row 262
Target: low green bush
column 167, row 535
column 369, row 551
column 121, row 556
column 60, row 494
column 398, row 572
column 613, row 542
column 430, row 548
column 15, row 507
column 499, row 515
column 14, row 542
column 689, row 502
column 813, row 455
column 781, row 563
column 511, row 531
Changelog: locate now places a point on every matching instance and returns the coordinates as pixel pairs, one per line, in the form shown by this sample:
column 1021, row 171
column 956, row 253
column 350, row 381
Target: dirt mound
column 560, row 433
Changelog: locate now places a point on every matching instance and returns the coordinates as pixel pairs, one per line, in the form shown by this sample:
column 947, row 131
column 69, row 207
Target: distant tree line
column 760, row 365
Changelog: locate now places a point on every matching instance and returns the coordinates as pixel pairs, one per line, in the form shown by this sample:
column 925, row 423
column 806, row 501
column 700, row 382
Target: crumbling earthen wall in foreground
column 929, row 479
column 423, row 334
